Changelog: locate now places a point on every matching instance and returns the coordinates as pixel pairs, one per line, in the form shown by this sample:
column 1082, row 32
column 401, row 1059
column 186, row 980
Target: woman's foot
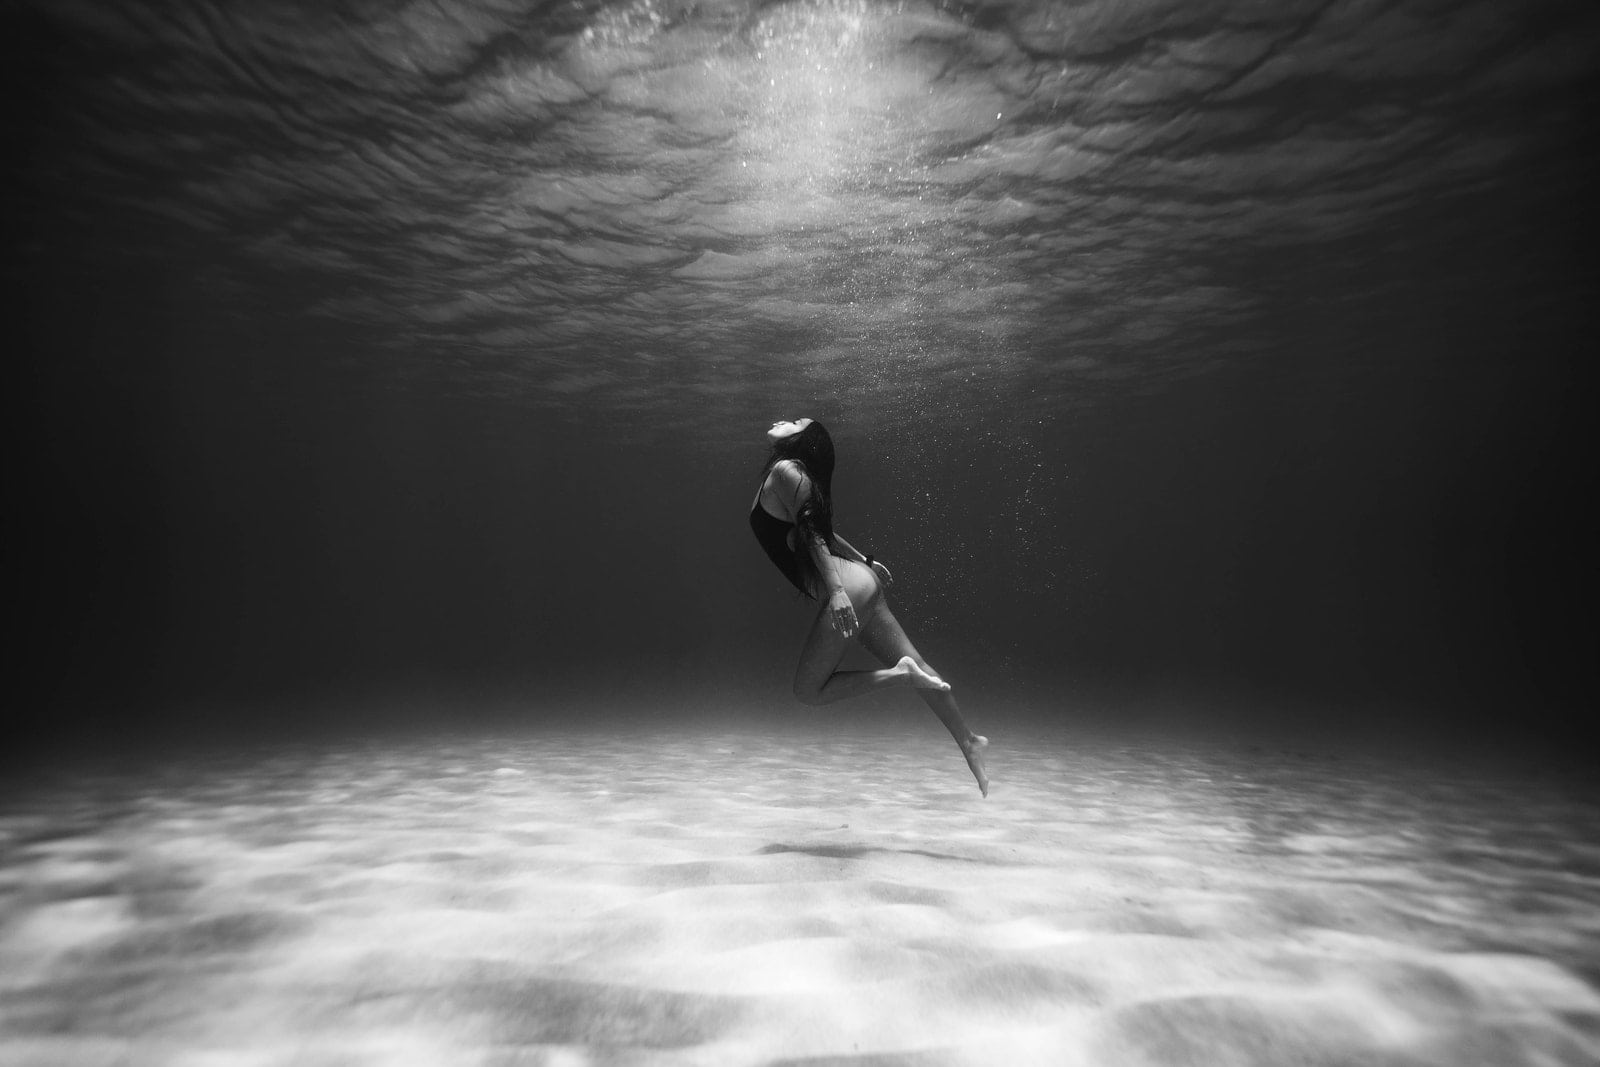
column 973, row 750
column 920, row 678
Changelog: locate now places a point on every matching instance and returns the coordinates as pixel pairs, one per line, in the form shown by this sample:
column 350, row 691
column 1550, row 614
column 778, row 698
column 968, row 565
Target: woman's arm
column 825, row 564
column 795, row 488
column 846, row 549
column 841, row 613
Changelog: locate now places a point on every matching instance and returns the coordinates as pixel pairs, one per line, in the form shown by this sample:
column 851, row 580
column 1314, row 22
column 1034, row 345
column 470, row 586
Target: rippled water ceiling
column 798, row 134
column 725, row 202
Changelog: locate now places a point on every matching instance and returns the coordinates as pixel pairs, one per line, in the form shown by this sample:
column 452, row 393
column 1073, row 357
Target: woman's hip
column 860, row 582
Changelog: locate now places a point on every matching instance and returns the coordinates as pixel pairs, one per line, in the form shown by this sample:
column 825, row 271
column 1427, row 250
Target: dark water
column 1219, row 354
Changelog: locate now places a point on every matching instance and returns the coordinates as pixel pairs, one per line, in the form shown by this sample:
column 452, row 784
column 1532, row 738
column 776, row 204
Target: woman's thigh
column 825, row 646
column 882, row 635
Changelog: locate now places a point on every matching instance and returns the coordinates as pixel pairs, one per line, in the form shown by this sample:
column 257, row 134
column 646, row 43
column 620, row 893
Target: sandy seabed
column 745, row 896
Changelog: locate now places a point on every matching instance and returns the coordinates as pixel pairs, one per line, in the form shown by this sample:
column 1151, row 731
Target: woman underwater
column 792, row 517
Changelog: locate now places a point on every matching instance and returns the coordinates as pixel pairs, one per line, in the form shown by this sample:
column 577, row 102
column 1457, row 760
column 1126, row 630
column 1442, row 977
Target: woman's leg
column 817, row 681
column 883, row 637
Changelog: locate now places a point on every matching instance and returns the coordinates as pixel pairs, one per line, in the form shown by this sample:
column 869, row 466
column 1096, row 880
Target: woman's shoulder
column 789, row 476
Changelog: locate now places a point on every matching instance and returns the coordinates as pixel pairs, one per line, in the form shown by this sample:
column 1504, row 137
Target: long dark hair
column 812, row 448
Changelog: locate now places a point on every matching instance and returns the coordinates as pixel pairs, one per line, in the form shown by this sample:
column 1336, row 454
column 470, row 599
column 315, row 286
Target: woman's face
column 784, row 428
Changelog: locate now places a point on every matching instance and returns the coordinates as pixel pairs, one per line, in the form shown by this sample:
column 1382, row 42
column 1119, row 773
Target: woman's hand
column 882, row 572
column 842, row 613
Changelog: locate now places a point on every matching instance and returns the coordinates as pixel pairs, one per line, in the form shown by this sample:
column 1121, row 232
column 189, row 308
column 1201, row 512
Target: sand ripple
column 745, row 898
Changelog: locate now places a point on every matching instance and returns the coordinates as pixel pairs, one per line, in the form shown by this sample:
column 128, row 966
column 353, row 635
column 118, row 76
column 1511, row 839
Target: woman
column 793, row 519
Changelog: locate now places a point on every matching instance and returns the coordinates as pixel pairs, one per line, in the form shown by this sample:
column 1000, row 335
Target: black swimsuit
column 773, row 533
